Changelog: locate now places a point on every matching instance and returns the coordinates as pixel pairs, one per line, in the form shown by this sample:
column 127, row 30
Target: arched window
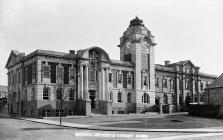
column 111, row 95
column 59, row 94
column 145, row 98
column 94, row 59
column 45, row 93
column 71, row 94
column 129, row 97
column 165, row 99
column 120, row 97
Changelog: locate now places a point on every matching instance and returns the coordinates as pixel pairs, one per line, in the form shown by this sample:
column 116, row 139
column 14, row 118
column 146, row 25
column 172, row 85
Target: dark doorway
column 188, row 100
column 92, row 98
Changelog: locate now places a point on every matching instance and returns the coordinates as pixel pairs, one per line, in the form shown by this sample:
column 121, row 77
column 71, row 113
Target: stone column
column 198, row 90
column 183, row 88
column 161, row 105
column 86, row 83
column 193, row 89
column 177, row 89
column 177, row 93
column 106, row 85
column 102, row 84
column 82, row 81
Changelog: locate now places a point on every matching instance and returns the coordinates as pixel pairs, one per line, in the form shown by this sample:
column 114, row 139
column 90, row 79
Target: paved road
column 13, row 129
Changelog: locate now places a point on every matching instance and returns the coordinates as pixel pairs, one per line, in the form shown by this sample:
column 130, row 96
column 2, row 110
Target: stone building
column 93, row 83
column 214, row 93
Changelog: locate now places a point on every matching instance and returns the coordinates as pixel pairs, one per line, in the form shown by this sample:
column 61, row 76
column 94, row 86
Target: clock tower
column 137, row 46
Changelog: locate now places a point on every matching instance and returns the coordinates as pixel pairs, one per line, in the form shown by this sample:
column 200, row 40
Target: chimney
column 167, row 63
column 72, row 51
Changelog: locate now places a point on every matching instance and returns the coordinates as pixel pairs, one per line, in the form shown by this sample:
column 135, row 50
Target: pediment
column 12, row 58
column 188, row 63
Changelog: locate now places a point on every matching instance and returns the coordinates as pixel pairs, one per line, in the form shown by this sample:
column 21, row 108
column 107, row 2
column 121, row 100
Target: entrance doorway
column 92, row 98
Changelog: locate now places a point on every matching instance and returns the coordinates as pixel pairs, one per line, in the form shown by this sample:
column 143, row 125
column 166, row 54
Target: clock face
column 127, row 47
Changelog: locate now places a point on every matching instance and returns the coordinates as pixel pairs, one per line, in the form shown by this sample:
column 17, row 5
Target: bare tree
column 61, row 94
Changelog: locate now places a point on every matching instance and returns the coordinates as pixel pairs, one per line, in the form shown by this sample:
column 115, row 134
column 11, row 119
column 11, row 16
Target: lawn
column 181, row 121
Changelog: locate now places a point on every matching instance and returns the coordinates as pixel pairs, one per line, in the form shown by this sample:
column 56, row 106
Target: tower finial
column 136, row 21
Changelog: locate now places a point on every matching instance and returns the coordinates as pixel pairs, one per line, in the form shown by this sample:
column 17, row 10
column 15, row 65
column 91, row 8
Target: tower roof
column 136, row 21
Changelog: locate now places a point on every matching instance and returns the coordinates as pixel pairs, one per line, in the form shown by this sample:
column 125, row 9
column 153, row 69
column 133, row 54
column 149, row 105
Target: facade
column 90, row 82
column 3, row 97
column 214, row 93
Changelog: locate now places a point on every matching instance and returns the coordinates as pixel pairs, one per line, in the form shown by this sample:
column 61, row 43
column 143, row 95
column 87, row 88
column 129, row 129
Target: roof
column 164, row 68
column 136, row 21
column 182, row 63
column 159, row 67
column 51, row 53
column 81, row 53
column 217, row 83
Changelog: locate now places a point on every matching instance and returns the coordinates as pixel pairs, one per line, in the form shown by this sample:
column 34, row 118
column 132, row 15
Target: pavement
column 107, row 128
column 45, row 129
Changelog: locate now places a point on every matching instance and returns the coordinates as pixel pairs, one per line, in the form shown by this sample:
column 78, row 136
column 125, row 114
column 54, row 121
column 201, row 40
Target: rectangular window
column 92, row 75
column 180, row 84
column 119, row 97
column 119, row 78
column 71, row 112
column 45, row 94
column 29, row 76
column 196, row 86
column 129, row 79
column 46, row 71
column 46, row 113
column 124, row 79
column 72, row 74
column 145, row 81
column 59, row 73
column 157, row 82
column 59, row 94
column 110, row 77
column 165, row 83
column 201, row 86
column 71, row 94
column 60, row 111
column 34, row 71
column 33, row 94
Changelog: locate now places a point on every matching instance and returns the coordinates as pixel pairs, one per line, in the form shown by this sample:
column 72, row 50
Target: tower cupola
column 136, row 22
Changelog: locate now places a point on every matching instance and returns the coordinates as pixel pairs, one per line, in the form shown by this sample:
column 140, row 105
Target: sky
column 183, row 29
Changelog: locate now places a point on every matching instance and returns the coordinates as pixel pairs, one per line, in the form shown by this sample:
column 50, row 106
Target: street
column 14, row 129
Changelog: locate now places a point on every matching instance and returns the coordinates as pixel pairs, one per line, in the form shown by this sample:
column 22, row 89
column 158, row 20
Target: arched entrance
column 92, row 98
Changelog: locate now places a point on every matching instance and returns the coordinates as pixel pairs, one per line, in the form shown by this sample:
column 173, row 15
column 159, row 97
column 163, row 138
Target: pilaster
column 177, row 89
column 193, row 89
